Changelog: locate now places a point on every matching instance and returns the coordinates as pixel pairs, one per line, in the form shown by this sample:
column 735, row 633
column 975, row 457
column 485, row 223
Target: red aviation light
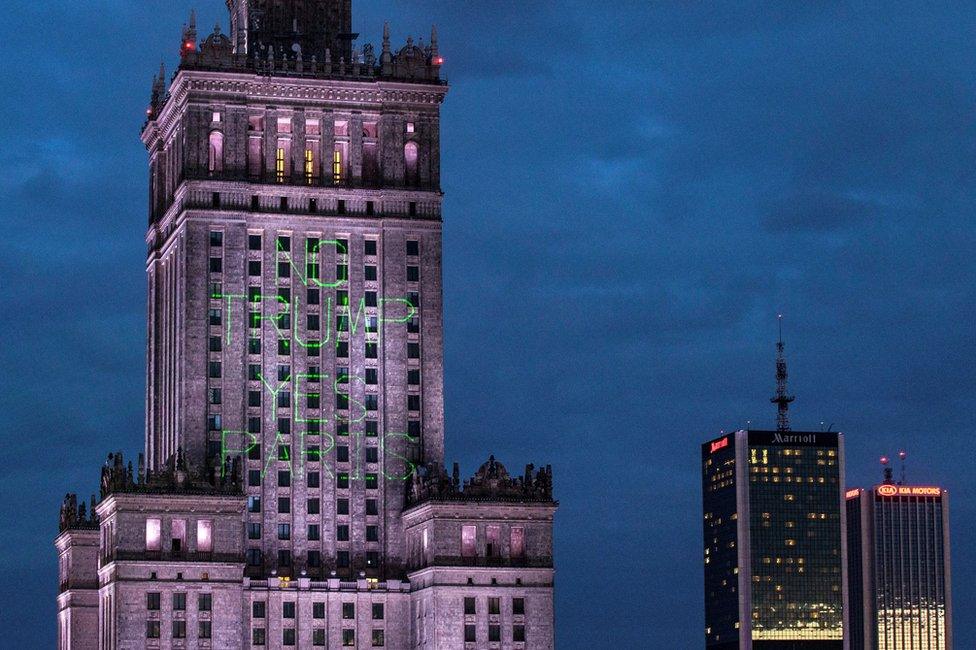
column 438, row 60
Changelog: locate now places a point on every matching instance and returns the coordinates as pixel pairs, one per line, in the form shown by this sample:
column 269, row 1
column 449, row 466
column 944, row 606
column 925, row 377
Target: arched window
column 216, row 151
column 410, row 163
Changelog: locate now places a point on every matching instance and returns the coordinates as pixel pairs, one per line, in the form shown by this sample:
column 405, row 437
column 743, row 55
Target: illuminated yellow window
column 309, row 166
column 336, row 166
column 280, row 164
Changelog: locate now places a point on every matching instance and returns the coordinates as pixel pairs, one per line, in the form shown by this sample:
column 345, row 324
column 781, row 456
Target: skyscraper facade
column 293, row 489
column 774, row 540
column 898, row 567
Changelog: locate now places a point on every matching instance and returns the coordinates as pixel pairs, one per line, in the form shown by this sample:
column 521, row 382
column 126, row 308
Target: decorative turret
column 491, row 482
column 188, row 43
column 75, row 516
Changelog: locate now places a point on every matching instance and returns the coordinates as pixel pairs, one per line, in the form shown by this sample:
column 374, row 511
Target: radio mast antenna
column 782, row 399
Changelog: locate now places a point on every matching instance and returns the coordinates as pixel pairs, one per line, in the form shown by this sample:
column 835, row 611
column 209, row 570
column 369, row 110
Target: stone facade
column 293, row 490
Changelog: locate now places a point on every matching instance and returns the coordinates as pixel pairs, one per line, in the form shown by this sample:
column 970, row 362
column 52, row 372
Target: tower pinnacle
column 781, row 400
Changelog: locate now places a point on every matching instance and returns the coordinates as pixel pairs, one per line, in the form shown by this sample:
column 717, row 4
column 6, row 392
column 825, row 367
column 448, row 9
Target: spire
column 386, row 56
column 189, row 41
column 781, row 400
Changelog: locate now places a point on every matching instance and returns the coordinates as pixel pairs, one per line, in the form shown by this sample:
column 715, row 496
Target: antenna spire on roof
column 782, row 399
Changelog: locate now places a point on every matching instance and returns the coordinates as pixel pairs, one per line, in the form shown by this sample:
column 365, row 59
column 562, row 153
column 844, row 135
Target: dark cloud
column 633, row 191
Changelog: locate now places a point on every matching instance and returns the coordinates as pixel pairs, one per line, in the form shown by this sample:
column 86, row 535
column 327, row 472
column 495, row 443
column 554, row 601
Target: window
column 284, row 558
column 410, row 127
column 372, row 428
column 342, row 559
column 369, row 247
column 313, row 479
column 371, row 480
column 216, row 238
column 413, row 402
column 494, row 633
column 153, row 534
column 284, row 478
column 372, row 533
column 379, row 639
column 337, row 164
column 342, row 506
column 494, row 605
column 413, row 428
column 288, row 636
column 254, row 269
column 517, row 542
column 152, row 601
column 214, row 422
column 372, row 507
column 314, row 532
column 254, row 504
column 470, row 633
column 152, row 629
column 284, row 505
column 377, row 611
column 518, row 606
column 309, row 166
column 413, row 377
column 370, row 272
column 413, row 248
column 258, row 636
column 410, row 155
column 254, row 242
column 518, row 633
column 492, row 535
column 215, row 343
column 204, row 536
column 258, row 609
column 179, row 629
column 342, row 533
column 313, row 506
column 372, row 455
column 178, row 535
column 216, row 158
column 288, row 609
column 349, row 638
column 318, row 636
column 413, row 274
column 469, row 541
column 216, row 264
column 371, row 350
column 280, row 162
column 213, row 370
column 204, row 629
column 254, row 530
column 215, row 317
column 179, row 601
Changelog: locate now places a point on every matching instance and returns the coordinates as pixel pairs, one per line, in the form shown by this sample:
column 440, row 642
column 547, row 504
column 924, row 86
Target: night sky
column 632, row 195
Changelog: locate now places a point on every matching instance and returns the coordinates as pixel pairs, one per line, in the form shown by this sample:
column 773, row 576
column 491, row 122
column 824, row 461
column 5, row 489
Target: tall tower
column 294, row 268
column 899, row 573
column 293, row 491
column 774, row 541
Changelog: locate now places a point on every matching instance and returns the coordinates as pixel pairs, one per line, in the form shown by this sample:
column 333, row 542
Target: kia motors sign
column 908, row 491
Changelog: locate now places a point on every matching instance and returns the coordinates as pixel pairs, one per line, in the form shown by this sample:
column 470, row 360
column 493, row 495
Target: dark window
column 258, row 609
column 284, row 478
column 518, row 606
column 254, row 477
column 254, row 398
column 288, row 636
column 369, row 208
column 342, row 533
column 494, row 605
column 413, row 208
column 372, row 507
column 314, row 532
column 152, row 600
column 152, row 629
column 494, row 633
column 204, row 629
column 313, row 321
column 254, row 267
column 216, row 264
column 313, row 506
column 349, row 638
column 284, row 504
column 313, row 297
column 372, row 455
column 342, row 349
column 314, row 558
column 372, row 481
column 313, row 205
column 283, row 243
column 313, row 479
column 254, row 346
column 215, row 317
column 379, row 638
column 518, row 633
column 372, row 533
column 370, row 299
column 216, row 237
column 413, row 248
column 258, row 636
column 342, row 480
column 372, row 428
column 205, row 602
column 413, row 377
column 413, row 350
column 318, row 610
column 371, row 350
column 254, row 530
column 470, row 634
column 413, row 428
column 342, row 559
column 372, row 402
column 288, row 609
column 284, row 347
column 342, row 454
column 284, row 531
column 413, row 273
column 413, row 402
column 348, row 610
column 254, row 557
column 254, row 504
column 341, row 207
column 284, row 558
column 255, row 202
column 369, row 247
column 342, row 506
column 254, row 241
column 370, row 272
column 179, row 629
column 214, row 369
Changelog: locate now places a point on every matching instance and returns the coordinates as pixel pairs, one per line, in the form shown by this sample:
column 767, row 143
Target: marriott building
column 774, row 540
column 900, row 585
column 293, row 490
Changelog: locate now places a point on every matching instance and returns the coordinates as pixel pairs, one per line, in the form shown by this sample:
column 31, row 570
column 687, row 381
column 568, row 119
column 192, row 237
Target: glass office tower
column 898, row 568
column 774, row 541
